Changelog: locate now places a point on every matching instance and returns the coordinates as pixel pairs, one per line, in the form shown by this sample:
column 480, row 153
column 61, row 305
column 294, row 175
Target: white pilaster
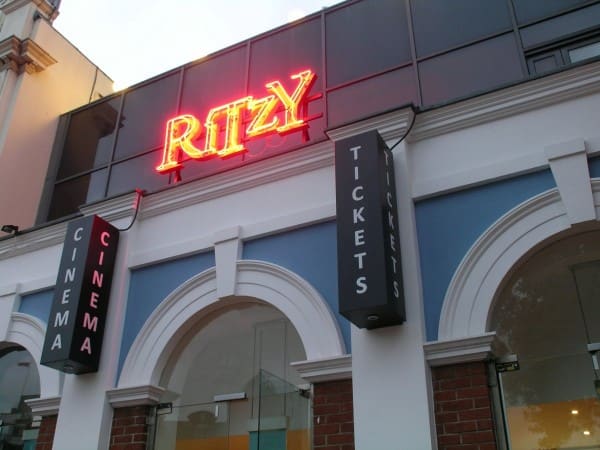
column 9, row 303
column 391, row 381
column 84, row 406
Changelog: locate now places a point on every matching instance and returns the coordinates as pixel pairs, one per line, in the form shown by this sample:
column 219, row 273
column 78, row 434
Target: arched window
column 19, row 381
column 547, row 314
column 229, row 385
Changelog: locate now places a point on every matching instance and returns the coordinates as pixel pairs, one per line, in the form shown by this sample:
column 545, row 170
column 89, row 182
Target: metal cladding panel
column 369, row 267
column 76, row 326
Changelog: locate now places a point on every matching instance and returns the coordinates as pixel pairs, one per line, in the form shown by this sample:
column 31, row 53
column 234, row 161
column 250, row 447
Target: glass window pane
column 443, row 24
column 544, row 316
column 561, row 26
column 530, row 10
column 584, row 52
column 145, row 111
column 135, row 173
column 472, row 69
column 372, row 96
column 364, row 38
column 289, row 51
column 214, row 82
column 89, row 139
column 69, row 195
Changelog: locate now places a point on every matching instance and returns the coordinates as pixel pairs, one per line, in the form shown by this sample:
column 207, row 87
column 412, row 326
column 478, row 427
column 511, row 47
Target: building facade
column 224, row 325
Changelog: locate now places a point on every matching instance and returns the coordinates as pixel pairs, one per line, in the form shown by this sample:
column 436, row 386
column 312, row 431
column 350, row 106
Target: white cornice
column 112, row 209
column 134, row 396
column 35, row 58
column 32, row 241
column 508, row 102
column 391, row 126
column 247, row 177
column 44, row 406
column 457, row 351
column 327, row 369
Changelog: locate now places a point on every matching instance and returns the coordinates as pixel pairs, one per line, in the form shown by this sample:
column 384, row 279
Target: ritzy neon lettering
column 224, row 130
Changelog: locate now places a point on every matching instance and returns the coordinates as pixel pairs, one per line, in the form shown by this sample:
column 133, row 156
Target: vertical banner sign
column 76, row 324
column 371, row 293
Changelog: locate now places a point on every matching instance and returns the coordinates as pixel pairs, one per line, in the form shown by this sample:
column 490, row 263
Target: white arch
column 29, row 332
column 292, row 295
column 478, row 277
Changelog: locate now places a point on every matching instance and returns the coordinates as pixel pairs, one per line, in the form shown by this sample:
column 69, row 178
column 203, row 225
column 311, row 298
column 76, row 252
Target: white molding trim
column 114, row 208
column 239, row 179
column 31, row 241
column 507, row 102
column 391, row 126
column 476, row 280
column 44, row 406
column 134, row 396
column 29, row 332
column 325, row 369
column 457, row 351
column 177, row 314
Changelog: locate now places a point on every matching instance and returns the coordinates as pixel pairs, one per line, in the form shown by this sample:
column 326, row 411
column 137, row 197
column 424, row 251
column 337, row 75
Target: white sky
column 132, row 40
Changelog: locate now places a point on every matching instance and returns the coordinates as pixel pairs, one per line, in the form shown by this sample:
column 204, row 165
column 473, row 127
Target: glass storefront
column 231, row 387
column 19, row 381
column 547, row 315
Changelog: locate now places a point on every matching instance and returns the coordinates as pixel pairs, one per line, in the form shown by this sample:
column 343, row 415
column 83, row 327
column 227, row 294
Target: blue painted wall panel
column 311, row 253
column 38, row 304
column 150, row 285
column 449, row 225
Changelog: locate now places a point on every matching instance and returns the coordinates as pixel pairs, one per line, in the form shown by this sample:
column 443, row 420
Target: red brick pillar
column 333, row 418
column 463, row 407
column 130, row 428
column 45, row 437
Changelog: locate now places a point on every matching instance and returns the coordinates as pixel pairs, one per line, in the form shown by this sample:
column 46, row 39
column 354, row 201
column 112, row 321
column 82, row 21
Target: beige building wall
column 42, row 76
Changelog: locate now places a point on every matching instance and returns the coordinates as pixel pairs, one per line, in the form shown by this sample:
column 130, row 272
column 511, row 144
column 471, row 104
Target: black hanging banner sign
column 370, row 287
column 76, row 324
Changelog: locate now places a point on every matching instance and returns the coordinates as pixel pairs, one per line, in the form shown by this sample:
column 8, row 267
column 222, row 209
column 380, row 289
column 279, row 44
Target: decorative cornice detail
column 44, row 406
column 134, row 396
column 507, row 102
column 44, row 7
column 23, row 55
column 35, row 57
column 457, row 351
column 326, row 369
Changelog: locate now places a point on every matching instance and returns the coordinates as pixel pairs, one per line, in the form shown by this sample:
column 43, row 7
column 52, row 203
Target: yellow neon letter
column 295, row 101
column 265, row 107
column 177, row 139
column 232, row 113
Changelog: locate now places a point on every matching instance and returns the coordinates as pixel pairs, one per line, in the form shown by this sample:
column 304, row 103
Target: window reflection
column 243, row 354
column 546, row 317
column 19, row 381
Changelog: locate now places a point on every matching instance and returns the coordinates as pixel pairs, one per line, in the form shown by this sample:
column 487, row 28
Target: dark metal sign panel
column 76, row 324
column 371, row 293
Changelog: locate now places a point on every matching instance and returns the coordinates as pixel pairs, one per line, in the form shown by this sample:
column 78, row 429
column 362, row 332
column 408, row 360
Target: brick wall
column 129, row 428
column 463, row 409
column 46, row 433
column 333, row 416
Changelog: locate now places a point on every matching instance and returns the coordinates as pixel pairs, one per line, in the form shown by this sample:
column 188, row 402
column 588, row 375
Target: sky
column 132, row 40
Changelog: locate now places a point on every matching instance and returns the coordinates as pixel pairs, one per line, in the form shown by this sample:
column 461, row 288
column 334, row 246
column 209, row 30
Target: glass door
column 283, row 418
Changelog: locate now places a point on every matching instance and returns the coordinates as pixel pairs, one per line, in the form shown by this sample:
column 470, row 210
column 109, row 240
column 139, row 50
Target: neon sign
column 224, row 133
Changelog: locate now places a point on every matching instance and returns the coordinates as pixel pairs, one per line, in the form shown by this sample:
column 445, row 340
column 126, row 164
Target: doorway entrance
column 547, row 320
